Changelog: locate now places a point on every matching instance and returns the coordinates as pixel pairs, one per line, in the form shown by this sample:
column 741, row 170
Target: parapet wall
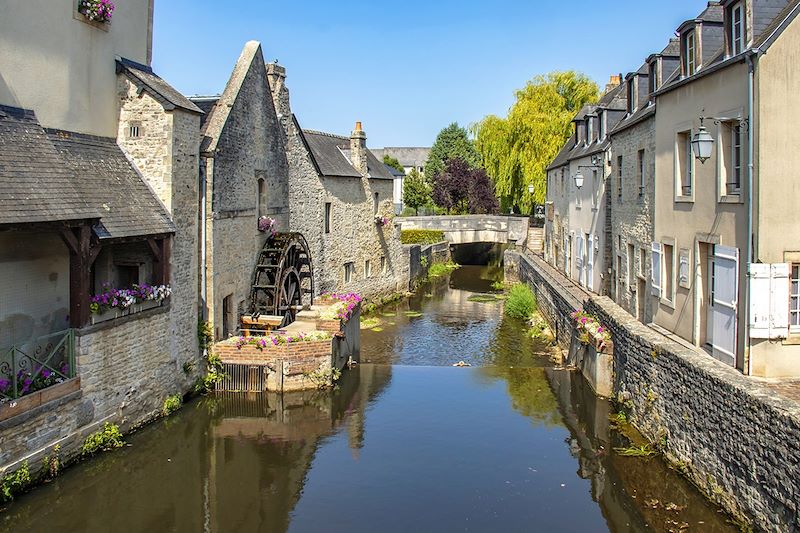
column 731, row 434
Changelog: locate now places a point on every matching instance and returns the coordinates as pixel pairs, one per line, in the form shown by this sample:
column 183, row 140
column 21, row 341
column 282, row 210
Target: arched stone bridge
column 466, row 229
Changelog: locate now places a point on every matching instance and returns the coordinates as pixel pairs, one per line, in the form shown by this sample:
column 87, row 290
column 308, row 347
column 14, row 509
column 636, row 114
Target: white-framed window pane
column 794, row 298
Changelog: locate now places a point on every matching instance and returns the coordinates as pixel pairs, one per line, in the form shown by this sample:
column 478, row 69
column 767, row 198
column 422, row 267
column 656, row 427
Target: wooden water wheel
column 283, row 280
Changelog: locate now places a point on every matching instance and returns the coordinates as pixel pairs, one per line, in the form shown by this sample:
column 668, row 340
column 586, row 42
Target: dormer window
column 652, row 77
column 735, row 27
column 632, row 96
column 689, row 59
column 601, row 124
column 589, row 130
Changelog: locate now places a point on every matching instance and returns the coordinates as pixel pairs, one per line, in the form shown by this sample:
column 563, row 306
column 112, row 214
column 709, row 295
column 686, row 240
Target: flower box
column 111, row 314
column 11, row 408
column 97, row 11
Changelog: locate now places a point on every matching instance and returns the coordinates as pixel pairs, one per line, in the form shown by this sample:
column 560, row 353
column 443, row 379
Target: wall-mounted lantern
column 702, row 143
column 530, row 188
column 579, row 179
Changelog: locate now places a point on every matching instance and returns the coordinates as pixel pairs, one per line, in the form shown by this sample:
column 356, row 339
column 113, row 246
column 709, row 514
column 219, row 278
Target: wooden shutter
column 779, row 301
column 759, row 300
column 590, row 263
column 656, row 269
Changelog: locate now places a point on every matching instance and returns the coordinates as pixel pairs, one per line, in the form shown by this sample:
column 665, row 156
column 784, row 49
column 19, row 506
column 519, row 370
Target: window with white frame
column 689, row 53
column 328, row 216
column 349, row 272
column 669, row 272
column 684, row 163
column 794, row 299
column 632, row 94
column 731, row 157
column 383, row 265
column 736, row 29
column 367, row 268
column 595, row 188
column 652, row 77
column 589, row 129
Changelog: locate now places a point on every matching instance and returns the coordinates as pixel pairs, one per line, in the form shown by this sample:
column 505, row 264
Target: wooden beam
column 79, row 270
column 69, row 239
column 155, row 248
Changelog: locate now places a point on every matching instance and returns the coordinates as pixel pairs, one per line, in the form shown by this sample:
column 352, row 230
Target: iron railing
column 37, row 364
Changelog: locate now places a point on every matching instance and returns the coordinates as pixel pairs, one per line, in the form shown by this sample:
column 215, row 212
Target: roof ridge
column 325, row 133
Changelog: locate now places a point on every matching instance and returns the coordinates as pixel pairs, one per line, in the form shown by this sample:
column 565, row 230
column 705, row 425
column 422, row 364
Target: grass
column 498, row 285
column 483, row 298
column 438, row 270
column 369, row 323
column 521, row 302
column 642, row 450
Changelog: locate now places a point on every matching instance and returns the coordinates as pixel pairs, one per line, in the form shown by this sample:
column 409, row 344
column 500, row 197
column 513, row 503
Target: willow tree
column 517, row 149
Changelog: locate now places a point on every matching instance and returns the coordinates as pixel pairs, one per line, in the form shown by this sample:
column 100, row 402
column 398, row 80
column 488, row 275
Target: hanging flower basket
column 381, row 220
column 267, row 225
column 96, row 10
column 591, row 332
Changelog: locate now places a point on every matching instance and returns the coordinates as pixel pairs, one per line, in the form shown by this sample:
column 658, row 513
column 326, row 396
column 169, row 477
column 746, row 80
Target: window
column 383, row 265
column 262, row 198
column 736, row 28
column 375, row 202
column 652, row 78
column 134, row 130
column 589, row 129
column 642, row 262
column 655, row 272
column 640, row 168
column 601, row 117
column 689, row 54
column 328, row 220
column 631, row 267
column 632, row 94
column 349, row 272
column 669, row 280
column 619, row 176
column 367, row 269
column 127, row 275
column 684, row 163
column 595, row 188
column 731, row 160
column 794, row 299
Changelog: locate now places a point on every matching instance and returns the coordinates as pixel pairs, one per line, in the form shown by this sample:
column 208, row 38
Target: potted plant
column 96, row 10
column 381, row 220
column 267, row 225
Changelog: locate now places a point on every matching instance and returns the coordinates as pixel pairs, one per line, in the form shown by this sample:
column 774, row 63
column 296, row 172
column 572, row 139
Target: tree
column 461, row 189
column 416, row 192
column 451, row 143
column 517, row 149
column 390, row 161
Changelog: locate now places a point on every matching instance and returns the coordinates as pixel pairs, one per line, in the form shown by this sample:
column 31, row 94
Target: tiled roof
column 408, row 156
column 108, row 181
column 144, row 78
column 35, row 183
column 331, row 152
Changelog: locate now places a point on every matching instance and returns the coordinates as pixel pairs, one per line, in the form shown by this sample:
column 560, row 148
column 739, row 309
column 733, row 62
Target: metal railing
column 37, row 364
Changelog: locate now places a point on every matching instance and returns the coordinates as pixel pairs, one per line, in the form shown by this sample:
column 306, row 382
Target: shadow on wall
column 478, row 253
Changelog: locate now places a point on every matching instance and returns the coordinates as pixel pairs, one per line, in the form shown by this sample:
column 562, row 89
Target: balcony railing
column 37, row 364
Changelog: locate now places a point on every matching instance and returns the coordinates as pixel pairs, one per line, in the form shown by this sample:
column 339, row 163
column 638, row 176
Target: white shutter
column 779, row 301
column 726, row 300
column 579, row 258
column 656, row 269
column 566, row 254
column 759, row 300
column 590, row 263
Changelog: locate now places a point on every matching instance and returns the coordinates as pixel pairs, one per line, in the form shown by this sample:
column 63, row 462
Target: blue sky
column 407, row 69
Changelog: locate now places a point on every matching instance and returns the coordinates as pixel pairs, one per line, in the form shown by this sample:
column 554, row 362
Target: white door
column 725, row 300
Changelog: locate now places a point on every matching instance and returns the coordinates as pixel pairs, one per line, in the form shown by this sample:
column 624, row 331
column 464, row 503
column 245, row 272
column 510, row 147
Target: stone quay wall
column 729, row 433
column 125, row 371
column 419, row 259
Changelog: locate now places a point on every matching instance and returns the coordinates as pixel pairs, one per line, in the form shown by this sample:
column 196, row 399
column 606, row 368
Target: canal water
column 405, row 442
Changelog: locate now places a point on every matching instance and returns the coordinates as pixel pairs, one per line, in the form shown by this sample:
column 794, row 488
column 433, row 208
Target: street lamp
column 702, row 143
column 530, row 188
column 579, row 179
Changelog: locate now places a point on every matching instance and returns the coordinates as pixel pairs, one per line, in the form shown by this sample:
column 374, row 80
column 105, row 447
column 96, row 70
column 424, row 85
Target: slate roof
column 408, row 156
column 144, row 78
column 109, row 182
column 206, row 104
column 35, row 183
column 786, row 15
column 394, row 172
column 331, row 156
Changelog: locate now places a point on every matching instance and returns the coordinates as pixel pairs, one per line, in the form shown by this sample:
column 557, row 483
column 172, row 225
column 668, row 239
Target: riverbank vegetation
column 521, row 302
column 437, row 270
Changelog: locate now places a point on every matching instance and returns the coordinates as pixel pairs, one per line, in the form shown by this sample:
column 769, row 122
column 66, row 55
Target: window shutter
column 656, row 270
column 759, row 300
column 579, row 255
column 779, row 301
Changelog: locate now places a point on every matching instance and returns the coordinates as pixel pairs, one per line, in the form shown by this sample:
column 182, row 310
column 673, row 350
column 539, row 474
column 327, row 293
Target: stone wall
column 732, row 435
column 419, row 259
column 126, row 370
column 632, row 215
column 460, row 229
column 354, row 236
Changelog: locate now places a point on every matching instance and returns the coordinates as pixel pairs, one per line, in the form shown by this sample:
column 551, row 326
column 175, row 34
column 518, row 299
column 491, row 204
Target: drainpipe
column 750, row 192
column 203, row 281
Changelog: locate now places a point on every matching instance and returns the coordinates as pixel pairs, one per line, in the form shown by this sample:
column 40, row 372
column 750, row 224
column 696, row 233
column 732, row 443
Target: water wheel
column 283, row 280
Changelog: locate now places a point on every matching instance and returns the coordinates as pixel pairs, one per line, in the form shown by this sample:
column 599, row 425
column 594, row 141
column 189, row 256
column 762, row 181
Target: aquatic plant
column 15, row 482
column 521, row 302
column 324, row 378
column 498, row 285
column 438, row 270
column 369, row 323
column 642, row 450
column 106, row 439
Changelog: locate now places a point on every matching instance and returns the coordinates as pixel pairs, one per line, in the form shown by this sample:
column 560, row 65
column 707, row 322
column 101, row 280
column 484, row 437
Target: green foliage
column 171, row 404
column 451, row 143
column 416, row 191
column 324, row 379
column 409, row 211
column 188, row 366
column 204, row 334
column 51, row 464
column 484, row 298
column 438, row 270
column 214, row 374
column 498, row 285
column 390, row 161
column 421, row 236
column 641, row 450
column 15, row 482
column 423, row 261
column 521, row 302
column 106, row 439
column 517, row 149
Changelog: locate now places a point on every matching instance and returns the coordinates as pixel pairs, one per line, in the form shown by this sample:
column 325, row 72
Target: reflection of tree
column 530, row 393
column 512, row 346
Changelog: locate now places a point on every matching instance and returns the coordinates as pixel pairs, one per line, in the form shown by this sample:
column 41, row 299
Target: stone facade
column 632, row 214
column 246, row 173
column 731, row 435
column 354, row 237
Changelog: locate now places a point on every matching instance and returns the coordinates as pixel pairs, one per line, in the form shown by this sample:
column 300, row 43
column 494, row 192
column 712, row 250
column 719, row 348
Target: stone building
column 340, row 199
column 577, row 224
column 244, row 176
column 724, row 251
column 98, row 186
column 410, row 158
column 633, row 163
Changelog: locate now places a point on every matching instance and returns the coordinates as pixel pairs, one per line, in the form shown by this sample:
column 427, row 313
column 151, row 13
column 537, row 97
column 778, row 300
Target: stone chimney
column 358, row 149
column 276, row 76
column 613, row 82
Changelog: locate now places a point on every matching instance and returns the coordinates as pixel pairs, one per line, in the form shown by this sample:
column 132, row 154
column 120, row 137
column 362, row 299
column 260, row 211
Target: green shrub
column 408, row 212
column 15, row 482
column 172, row 404
column 521, row 302
column 106, row 439
column 438, row 270
column 421, row 236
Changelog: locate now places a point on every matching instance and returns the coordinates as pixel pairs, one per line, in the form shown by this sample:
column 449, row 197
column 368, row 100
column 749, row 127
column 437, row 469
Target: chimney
column 613, row 82
column 276, row 76
column 358, row 149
